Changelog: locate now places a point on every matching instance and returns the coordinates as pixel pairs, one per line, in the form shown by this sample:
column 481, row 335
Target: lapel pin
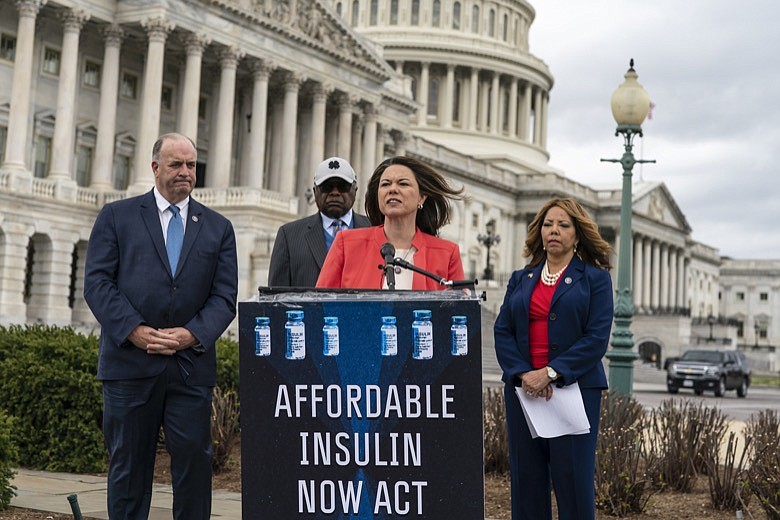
column 567, row 280
column 530, row 275
column 194, row 218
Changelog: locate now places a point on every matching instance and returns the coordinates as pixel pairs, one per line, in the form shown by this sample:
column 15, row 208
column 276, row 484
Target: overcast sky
column 712, row 69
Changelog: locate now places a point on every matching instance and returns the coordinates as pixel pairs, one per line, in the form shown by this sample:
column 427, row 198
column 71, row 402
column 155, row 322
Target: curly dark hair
column 435, row 212
column 592, row 249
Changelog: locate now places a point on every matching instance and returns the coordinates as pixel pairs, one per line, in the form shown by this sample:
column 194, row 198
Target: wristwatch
column 551, row 373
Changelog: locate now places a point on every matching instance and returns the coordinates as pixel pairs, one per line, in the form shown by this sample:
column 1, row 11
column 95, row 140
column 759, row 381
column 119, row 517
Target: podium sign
column 368, row 405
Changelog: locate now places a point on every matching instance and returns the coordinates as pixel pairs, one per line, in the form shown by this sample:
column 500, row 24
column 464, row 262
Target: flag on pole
column 650, row 112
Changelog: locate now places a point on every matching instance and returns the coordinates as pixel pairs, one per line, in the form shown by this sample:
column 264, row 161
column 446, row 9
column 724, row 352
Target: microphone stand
column 400, row 262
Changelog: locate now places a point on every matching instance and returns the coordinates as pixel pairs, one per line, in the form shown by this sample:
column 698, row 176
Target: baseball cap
column 334, row 167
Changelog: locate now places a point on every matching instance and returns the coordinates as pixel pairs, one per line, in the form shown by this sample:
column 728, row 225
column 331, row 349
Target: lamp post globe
column 630, row 106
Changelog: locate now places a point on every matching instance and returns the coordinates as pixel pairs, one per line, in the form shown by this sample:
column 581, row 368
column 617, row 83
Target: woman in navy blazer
column 552, row 334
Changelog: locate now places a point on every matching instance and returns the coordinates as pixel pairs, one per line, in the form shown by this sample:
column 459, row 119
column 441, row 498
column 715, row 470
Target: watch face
column 551, row 373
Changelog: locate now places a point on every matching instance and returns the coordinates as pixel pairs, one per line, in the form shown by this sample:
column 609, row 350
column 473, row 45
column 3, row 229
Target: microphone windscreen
column 387, row 249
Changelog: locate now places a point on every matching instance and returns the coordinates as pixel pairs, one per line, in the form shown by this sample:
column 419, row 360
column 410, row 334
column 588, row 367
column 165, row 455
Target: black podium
column 361, row 405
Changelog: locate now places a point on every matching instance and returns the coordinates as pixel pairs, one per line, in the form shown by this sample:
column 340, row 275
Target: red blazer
column 354, row 256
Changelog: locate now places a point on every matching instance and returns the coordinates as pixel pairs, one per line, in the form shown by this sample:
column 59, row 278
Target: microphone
column 388, row 253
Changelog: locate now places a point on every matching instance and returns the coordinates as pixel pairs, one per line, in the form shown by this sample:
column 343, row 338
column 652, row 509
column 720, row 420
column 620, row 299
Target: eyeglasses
column 327, row 186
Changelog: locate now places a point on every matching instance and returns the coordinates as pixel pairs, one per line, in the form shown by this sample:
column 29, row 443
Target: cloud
column 713, row 73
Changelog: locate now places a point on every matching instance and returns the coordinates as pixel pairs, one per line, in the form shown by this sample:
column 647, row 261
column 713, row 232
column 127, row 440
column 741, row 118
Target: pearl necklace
column 551, row 279
column 398, row 268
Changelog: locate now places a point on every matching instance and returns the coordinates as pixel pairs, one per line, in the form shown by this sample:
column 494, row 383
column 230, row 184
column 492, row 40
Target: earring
column 419, row 206
column 575, row 248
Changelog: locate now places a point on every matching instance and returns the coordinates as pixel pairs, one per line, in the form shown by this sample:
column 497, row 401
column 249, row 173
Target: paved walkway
column 45, row 491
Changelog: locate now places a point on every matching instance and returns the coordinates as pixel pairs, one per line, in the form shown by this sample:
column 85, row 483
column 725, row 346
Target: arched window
column 415, row 12
column 505, row 110
column 355, row 12
column 436, row 17
column 506, row 27
column 374, row 11
column 475, row 19
column 492, row 23
column 456, row 16
column 393, row 12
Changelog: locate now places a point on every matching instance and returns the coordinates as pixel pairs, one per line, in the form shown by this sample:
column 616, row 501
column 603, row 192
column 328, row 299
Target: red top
column 539, row 312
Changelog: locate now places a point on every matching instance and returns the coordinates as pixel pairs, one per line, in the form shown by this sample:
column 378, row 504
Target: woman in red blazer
column 407, row 203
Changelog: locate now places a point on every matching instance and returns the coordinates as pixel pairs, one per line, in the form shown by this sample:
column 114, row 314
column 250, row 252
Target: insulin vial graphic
column 262, row 336
column 296, row 335
column 460, row 336
column 389, row 336
column 330, row 336
column 422, row 330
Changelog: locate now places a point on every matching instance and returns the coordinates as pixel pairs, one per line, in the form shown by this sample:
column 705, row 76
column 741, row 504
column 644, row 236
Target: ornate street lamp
column 489, row 240
column 630, row 105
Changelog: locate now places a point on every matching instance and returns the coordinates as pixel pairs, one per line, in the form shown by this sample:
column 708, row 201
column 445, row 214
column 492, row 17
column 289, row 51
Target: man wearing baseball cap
column 301, row 246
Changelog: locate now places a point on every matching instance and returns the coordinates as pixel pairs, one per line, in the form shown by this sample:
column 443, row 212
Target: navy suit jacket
column 128, row 282
column 579, row 323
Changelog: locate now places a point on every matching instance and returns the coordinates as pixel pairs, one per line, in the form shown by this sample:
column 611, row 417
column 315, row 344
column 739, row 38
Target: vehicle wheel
column 721, row 388
column 742, row 388
column 698, row 391
column 672, row 389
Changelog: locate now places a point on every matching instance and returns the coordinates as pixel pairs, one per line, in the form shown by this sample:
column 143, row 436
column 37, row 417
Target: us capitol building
column 267, row 89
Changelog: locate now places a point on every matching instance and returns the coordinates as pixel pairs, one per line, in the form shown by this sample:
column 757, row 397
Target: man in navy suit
column 161, row 310
column 301, row 246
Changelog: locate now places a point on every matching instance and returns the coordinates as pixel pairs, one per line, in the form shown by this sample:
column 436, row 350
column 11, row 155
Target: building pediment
column 654, row 201
column 312, row 23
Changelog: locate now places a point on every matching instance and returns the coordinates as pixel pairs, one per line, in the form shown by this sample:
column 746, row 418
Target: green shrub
column 47, row 381
column 8, row 459
column 227, row 364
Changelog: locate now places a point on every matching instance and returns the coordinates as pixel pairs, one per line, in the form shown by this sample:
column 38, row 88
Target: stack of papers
column 563, row 414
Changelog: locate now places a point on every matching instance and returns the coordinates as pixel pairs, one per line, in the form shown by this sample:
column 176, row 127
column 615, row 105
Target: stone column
column 422, row 93
column 401, row 140
column 12, row 274
column 221, row 150
column 80, row 314
column 21, row 91
column 64, row 128
column 194, row 43
column 537, row 117
column 513, row 108
column 157, row 30
column 524, row 116
column 292, row 85
column 682, row 281
column 316, row 154
column 261, row 72
column 356, row 159
column 655, row 300
column 449, row 92
column 495, row 88
column 646, row 271
column 638, row 271
column 473, row 99
column 543, row 128
column 665, row 276
column 346, row 106
column 673, row 303
column 369, row 151
column 484, row 103
column 381, row 136
column 103, row 165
